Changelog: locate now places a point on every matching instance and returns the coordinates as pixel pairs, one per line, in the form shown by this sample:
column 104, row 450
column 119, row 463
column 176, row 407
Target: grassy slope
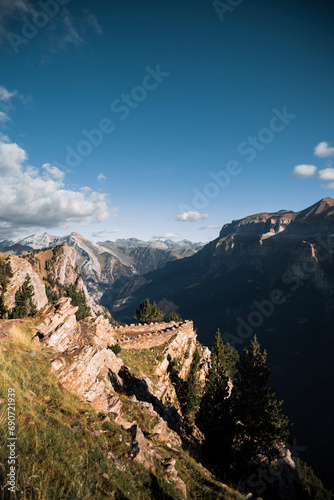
column 54, row 462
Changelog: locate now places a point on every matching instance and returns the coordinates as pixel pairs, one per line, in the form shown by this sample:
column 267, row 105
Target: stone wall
column 147, row 336
column 134, row 330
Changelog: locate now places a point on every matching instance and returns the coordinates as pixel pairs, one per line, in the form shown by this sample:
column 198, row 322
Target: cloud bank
column 31, row 198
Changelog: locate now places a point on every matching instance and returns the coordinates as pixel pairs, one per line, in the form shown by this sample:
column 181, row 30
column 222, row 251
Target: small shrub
column 116, row 348
column 174, row 317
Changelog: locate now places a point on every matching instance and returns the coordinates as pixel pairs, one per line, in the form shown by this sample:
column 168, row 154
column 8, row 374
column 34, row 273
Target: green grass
column 142, row 361
column 55, row 462
column 199, row 485
column 132, row 410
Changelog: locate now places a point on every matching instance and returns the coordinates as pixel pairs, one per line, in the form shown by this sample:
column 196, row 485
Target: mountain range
column 107, row 266
column 269, row 274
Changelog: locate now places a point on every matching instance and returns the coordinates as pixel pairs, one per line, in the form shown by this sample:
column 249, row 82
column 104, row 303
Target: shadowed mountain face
column 271, row 275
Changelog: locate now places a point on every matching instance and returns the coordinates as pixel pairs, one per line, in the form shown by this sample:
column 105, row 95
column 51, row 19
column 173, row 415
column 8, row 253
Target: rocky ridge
column 57, row 264
column 143, row 402
column 86, row 366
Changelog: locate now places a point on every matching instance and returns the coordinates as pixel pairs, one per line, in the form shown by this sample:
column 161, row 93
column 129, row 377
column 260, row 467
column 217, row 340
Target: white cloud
column 5, row 95
column 103, row 233
column 327, row 174
column 53, row 172
column 210, row 227
column 40, row 200
column 169, row 236
column 4, row 138
column 3, row 117
column 304, row 171
column 6, row 104
column 323, row 150
column 11, row 157
column 191, row 216
column 328, row 186
column 101, row 177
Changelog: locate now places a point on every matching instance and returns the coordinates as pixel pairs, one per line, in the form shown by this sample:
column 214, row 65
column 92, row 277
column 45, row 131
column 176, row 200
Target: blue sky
column 206, row 109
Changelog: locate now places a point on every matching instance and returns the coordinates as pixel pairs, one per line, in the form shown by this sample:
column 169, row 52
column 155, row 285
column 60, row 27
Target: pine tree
column 78, row 300
column 215, row 417
column 149, row 313
column 3, row 308
column 157, row 316
column 174, row 317
column 190, row 393
column 24, row 304
column 6, row 274
column 261, row 426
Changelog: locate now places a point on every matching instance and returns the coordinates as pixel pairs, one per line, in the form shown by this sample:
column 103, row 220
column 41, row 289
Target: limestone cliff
column 86, row 356
column 112, row 384
column 54, row 268
column 21, row 268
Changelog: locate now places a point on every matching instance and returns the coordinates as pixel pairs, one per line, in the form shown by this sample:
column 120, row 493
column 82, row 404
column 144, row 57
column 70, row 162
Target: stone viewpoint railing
column 146, row 336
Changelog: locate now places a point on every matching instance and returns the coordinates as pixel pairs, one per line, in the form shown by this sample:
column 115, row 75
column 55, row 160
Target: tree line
column 236, row 411
column 150, row 313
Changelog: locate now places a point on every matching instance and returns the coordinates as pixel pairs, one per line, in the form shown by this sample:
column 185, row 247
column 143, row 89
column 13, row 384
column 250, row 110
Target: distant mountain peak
column 320, row 210
column 324, row 204
column 77, row 236
column 329, row 200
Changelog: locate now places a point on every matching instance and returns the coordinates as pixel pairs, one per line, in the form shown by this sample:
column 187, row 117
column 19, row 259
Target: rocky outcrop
column 63, row 269
column 21, row 268
column 58, row 325
column 163, row 433
column 141, row 450
column 172, row 475
column 87, row 367
column 63, row 266
column 92, row 374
